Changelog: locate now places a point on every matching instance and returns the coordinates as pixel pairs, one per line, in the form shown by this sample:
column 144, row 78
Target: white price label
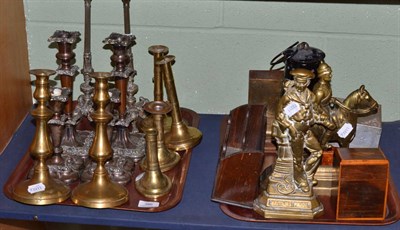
column 148, row 204
column 39, row 187
column 345, row 130
column 139, row 176
column 292, row 108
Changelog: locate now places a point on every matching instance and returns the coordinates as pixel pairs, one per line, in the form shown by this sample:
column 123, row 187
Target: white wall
column 216, row 43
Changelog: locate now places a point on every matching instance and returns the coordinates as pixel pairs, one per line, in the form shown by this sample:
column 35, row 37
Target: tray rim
column 393, row 201
column 189, row 115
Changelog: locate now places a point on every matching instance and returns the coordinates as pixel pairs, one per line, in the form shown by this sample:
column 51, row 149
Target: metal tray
column 177, row 176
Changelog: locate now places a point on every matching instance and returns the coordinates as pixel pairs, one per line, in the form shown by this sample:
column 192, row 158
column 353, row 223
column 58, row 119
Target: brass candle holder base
column 148, row 188
column 100, row 193
column 55, row 192
column 182, row 137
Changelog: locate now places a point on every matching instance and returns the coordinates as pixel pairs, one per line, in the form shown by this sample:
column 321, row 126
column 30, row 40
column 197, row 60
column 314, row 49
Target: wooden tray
column 238, row 173
column 177, row 176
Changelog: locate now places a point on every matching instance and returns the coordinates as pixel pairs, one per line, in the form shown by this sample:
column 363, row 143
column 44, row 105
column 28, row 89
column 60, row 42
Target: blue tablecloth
column 195, row 211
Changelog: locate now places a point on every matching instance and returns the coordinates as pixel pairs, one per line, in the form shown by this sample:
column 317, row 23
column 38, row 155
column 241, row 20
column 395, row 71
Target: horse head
column 360, row 102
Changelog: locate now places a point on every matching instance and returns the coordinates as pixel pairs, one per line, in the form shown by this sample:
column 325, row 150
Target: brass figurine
column 41, row 189
column 343, row 114
column 181, row 136
column 100, row 192
column 153, row 183
column 288, row 193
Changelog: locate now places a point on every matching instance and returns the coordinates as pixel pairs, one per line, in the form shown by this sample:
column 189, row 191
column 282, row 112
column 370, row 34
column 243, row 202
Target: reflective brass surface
column 167, row 159
column 158, row 52
column 40, row 149
column 100, row 192
column 153, row 183
column 289, row 189
column 181, row 136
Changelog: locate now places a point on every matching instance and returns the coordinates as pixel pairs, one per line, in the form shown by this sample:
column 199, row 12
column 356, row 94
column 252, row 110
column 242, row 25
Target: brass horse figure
column 344, row 115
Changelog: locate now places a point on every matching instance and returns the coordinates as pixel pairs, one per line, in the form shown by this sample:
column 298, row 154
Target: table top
column 195, row 211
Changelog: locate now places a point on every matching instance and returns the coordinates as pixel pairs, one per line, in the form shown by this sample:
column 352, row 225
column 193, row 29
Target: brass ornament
column 289, row 191
column 167, row 159
column 153, row 183
column 100, row 192
column 158, row 52
column 41, row 189
column 181, row 136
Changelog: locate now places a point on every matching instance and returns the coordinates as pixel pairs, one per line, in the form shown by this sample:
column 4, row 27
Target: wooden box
column 363, row 184
column 15, row 88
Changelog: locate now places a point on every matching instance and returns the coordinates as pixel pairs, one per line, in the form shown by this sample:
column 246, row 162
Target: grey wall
column 216, row 43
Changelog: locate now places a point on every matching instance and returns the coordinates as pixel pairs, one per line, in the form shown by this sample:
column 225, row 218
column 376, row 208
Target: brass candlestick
column 153, row 183
column 167, row 159
column 181, row 136
column 158, row 52
column 100, row 192
column 41, row 189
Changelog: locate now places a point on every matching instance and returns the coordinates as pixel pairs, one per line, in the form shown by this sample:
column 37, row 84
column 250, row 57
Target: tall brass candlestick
column 181, row 136
column 153, row 183
column 158, row 52
column 100, row 192
column 41, row 189
column 167, row 159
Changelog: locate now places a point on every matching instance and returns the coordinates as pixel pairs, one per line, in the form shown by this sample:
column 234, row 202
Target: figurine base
column 288, row 207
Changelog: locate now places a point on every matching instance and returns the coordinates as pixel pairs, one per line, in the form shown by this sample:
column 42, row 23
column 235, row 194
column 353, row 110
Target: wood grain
column 15, row 89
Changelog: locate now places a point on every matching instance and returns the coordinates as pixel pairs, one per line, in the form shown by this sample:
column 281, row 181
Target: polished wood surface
column 15, row 89
column 363, row 184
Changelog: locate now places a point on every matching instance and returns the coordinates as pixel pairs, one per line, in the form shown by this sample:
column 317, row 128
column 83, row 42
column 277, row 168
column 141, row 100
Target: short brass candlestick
column 41, row 189
column 153, row 183
column 181, row 136
column 100, row 192
column 167, row 159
